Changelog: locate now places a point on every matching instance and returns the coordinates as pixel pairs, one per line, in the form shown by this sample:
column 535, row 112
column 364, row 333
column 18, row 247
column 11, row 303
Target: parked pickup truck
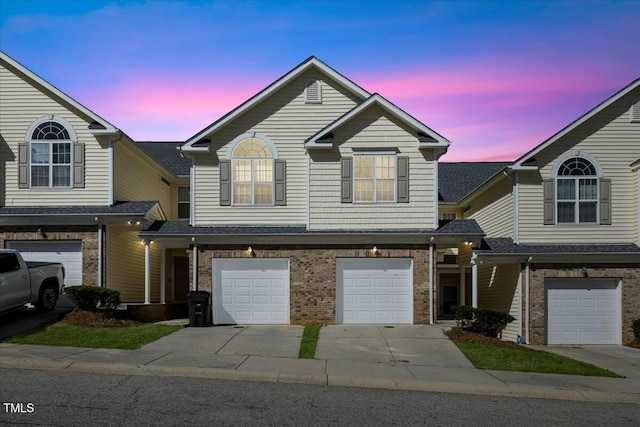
column 23, row 282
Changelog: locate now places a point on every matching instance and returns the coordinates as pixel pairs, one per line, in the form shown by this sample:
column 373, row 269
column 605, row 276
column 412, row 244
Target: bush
column 636, row 330
column 484, row 321
column 94, row 298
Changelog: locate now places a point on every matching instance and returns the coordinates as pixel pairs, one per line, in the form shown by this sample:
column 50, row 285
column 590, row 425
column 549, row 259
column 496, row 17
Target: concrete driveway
column 20, row 321
column 616, row 358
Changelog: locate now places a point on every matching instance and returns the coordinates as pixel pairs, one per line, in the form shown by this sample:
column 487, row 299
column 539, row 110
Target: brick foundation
column 629, row 276
column 312, row 277
column 87, row 235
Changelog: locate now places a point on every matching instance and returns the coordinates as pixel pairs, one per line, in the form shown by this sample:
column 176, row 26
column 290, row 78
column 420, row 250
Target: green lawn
column 485, row 356
column 126, row 338
column 309, row 341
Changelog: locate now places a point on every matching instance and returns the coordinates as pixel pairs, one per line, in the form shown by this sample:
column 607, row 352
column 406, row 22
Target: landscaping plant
column 482, row 320
column 94, row 298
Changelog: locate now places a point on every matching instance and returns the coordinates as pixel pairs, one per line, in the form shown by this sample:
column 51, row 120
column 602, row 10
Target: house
column 75, row 189
column 561, row 248
column 317, row 201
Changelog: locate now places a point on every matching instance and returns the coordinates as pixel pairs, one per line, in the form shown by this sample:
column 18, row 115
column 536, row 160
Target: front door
column 449, row 299
column 180, row 278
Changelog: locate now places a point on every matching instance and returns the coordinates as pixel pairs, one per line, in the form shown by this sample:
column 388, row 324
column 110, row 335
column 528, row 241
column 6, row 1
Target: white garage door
column 250, row 291
column 583, row 311
column 374, row 290
column 69, row 253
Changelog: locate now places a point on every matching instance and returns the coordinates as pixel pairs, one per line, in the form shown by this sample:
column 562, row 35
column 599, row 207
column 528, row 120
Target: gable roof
column 457, row 180
column 167, row 153
column 97, row 124
column 529, row 157
column 428, row 137
column 312, row 61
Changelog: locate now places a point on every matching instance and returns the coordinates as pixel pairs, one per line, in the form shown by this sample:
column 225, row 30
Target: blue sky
column 496, row 78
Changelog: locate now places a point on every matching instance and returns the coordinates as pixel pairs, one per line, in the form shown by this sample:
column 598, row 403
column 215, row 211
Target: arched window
column 577, row 191
column 252, row 172
column 50, row 154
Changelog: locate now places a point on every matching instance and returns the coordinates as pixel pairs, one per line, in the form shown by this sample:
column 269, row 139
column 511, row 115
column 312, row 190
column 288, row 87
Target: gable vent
column 635, row 111
column 313, row 92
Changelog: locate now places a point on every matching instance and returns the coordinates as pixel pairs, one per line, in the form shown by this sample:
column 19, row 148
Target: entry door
column 180, row 278
column 449, row 299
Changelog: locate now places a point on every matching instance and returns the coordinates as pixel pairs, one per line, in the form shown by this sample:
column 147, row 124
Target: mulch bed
column 456, row 334
column 91, row 319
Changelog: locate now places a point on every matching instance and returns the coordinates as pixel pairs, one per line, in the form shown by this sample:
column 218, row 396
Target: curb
column 507, row 390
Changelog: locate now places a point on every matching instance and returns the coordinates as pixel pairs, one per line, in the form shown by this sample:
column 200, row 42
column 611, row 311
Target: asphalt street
column 74, row 399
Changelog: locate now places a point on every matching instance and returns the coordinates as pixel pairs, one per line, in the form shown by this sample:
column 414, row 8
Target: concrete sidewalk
column 417, row 358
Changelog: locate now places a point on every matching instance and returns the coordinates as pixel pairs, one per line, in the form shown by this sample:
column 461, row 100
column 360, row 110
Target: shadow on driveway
column 17, row 322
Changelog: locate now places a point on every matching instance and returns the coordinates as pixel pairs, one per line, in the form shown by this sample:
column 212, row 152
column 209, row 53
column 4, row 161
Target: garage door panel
column 251, row 291
column 374, row 291
column 583, row 311
column 68, row 253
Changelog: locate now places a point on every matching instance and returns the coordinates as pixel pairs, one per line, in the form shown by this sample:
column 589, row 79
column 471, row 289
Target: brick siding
column 312, row 277
column 629, row 276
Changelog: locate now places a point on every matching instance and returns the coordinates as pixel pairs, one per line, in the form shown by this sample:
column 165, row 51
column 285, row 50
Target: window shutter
column 548, row 186
column 403, row 180
column 23, row 165
column 78, row 165
column 280, row 182
column 225, row 183
column 346, row 180
column 605, row 202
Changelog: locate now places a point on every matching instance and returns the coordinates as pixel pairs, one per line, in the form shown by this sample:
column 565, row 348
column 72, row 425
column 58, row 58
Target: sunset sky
column 495, row 78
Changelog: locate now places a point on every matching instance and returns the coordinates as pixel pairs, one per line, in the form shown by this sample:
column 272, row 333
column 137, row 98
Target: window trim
column 71, row 142
column 374, row 179
column 274, row 156
column 576, row 182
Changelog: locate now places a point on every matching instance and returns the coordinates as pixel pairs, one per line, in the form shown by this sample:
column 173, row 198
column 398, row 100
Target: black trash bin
column 199, row 308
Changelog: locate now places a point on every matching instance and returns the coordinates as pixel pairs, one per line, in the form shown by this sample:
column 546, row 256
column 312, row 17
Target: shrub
column 484, row 321
column 636, row 330
column 94, row 298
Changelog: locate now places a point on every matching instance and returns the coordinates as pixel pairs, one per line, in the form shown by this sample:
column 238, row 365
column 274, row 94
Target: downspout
column 431, row 317
column 516, row 208
column 192, row 194
column 527, row 282
column 308, row 191
column 474, row 281
column 520, row 305
column 194, row 283
column 100, row 260
column 147, row 271
column 435, row 192
column 110, row 180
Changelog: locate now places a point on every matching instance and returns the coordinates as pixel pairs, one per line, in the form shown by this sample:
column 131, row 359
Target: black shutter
column 225, row 182
column 346, row 180
column 605, row 202
column 548, row 187
column 78, row 165
column 280, row 182
column 403, row 180
column 23, row 165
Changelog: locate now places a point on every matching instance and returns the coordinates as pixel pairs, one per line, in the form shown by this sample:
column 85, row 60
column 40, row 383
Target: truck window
column 8, row 263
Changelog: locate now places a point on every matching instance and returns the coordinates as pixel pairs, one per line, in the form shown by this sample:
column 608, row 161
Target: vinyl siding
column 138, row 178
column 498, row 290
column 614, row 142
column 287, row 121
column 21, row 103
column 125, row 270
column 370, row 129
column 493, row 210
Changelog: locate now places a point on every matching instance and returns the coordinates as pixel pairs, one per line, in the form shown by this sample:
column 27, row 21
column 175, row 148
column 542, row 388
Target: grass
column 309, row 341
column 486, row 356
column 126, row 338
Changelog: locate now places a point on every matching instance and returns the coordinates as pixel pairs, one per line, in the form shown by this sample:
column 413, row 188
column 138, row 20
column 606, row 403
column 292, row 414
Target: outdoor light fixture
column 468, row 243
column 250, row 251
column 375, row 251
column 41, row 233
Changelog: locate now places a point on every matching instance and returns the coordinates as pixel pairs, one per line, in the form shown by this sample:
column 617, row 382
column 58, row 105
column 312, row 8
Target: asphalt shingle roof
column 119, row 208
column 506, row 246
column 167, row 154
column 182, row 228
column 456, row 180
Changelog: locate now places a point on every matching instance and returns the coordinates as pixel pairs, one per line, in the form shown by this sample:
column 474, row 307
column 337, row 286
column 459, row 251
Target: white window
column 448, row 216
column 374, row 178
column 577, row 192
column 50, row 149
column 252, row 173
column 184, row 203
column 313, row 92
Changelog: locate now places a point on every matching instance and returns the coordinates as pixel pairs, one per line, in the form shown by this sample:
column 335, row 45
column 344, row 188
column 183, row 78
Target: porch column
column 147, row 271
column 431, row 317
column 194, row 285
column 474, row 282
column 100, row 244
column 163, row 296
column 463, row 286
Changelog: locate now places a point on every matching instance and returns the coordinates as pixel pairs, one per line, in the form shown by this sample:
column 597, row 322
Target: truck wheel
column 47, row 299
